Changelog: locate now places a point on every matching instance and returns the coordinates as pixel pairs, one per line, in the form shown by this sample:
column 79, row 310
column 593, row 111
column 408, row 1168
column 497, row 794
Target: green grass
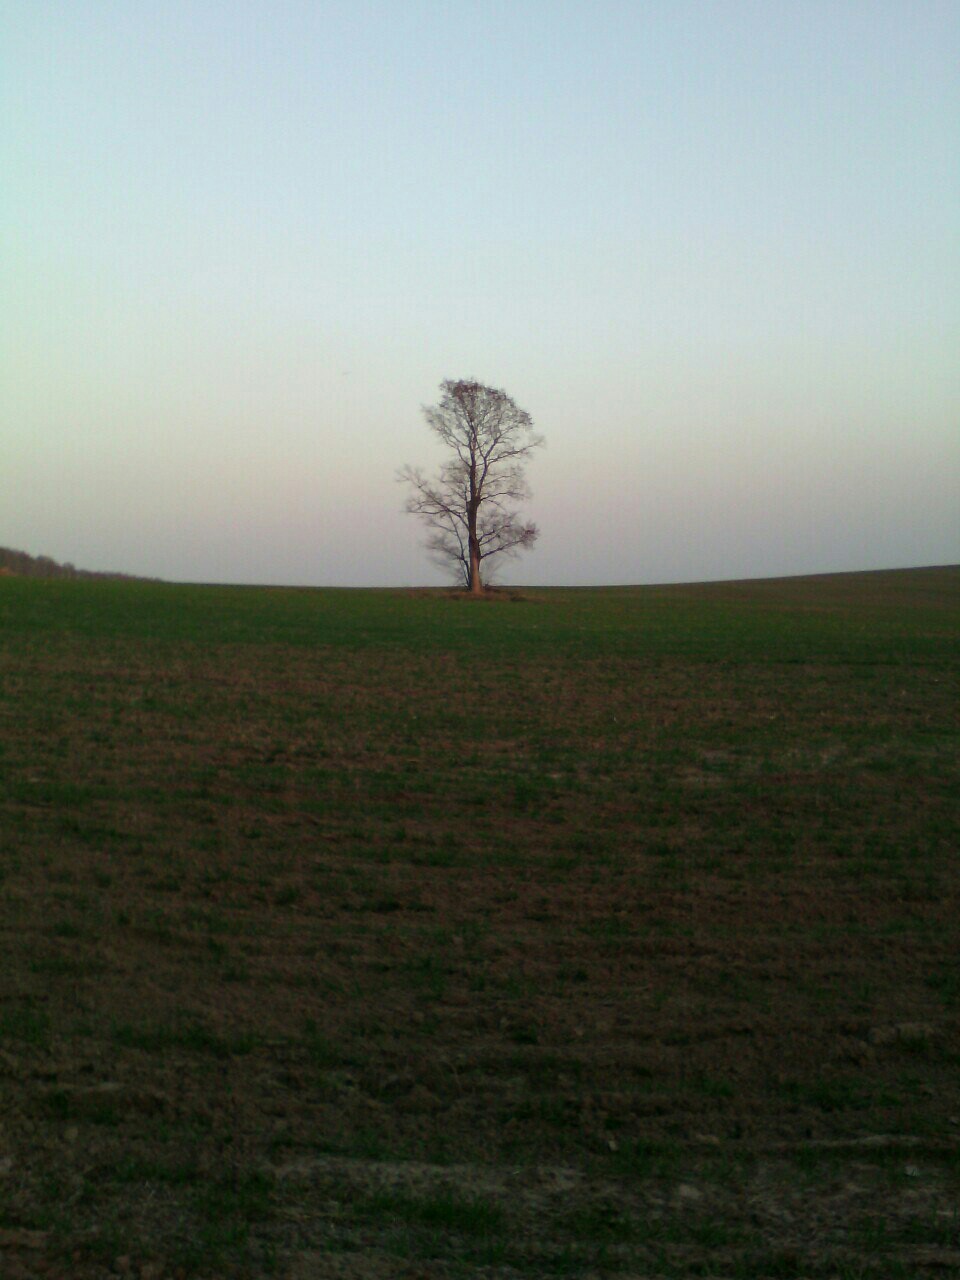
column 864, row 618
column 464, row 1216
column 469, row 934
column 185, row 1035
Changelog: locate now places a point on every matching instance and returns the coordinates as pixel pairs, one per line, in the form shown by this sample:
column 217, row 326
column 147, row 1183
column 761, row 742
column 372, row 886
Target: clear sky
column 711, row 247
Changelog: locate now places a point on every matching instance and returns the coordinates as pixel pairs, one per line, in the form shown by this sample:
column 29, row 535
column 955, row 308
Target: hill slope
column 22, row 565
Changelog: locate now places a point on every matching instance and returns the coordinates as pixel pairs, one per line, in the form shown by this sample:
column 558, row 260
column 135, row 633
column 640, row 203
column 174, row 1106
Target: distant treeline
column 22, row 565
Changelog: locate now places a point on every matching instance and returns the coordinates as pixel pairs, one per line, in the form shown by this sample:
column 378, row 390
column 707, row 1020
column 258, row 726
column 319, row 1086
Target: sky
column 712, row 248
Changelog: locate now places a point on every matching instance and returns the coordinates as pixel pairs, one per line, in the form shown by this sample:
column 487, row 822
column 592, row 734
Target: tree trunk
column 476, row 586
column 473, row 540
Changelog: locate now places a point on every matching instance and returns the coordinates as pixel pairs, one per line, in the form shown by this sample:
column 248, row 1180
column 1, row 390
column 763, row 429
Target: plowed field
column 568, row 933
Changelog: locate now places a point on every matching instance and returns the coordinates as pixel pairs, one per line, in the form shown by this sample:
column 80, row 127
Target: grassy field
column 570, row 933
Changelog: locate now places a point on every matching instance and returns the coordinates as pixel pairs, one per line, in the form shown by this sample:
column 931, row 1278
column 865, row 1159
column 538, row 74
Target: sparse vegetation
column 614, row 933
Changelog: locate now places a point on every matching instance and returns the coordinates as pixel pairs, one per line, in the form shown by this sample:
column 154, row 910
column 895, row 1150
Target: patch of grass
column 64, row 966
column 472, row 1216
column 243, row 1196
column 946, row 983
column 827, row 1094
column 644, row 1158
column 62, row 1106
column 603, row 1221
column 26, row 1023
column 711, row 1086
column 192, row 1037
column 175, row 1173
column 225, row 1212
column 322, row 1051
column 66, row 929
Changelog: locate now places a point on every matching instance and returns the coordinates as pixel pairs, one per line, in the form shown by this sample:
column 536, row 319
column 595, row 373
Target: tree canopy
column 470, row 507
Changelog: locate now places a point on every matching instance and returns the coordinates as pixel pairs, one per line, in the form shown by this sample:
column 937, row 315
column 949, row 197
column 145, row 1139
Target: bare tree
column 469, row 507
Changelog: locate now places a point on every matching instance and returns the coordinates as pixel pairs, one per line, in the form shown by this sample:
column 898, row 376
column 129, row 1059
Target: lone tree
column 470, row 506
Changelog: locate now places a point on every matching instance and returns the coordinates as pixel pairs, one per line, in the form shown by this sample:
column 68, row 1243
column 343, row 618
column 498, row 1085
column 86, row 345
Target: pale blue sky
column 711, row 247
